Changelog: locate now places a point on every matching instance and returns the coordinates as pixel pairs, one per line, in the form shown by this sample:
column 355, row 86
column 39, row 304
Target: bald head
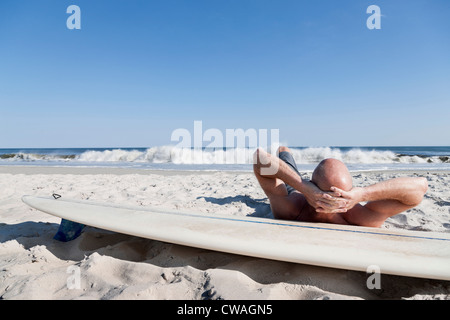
column 332, row 173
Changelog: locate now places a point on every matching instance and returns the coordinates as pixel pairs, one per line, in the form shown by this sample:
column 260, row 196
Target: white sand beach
column 115, row 266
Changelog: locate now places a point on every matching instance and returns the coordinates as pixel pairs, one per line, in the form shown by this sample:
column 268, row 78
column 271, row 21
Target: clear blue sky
column 137, row 70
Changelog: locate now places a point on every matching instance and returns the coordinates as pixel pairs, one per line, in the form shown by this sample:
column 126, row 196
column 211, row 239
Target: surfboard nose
column 26, row 198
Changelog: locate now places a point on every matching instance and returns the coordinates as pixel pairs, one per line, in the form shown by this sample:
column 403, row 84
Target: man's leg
column 284, row 204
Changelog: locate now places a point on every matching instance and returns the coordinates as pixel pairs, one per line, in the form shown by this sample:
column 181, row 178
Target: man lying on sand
column 330, row 196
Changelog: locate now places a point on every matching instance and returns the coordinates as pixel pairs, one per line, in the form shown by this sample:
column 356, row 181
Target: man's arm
column 384, row 199
column 408, row 191
column 270, row 166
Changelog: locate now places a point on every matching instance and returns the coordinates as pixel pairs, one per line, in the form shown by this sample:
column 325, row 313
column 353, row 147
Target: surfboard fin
column 68, row 230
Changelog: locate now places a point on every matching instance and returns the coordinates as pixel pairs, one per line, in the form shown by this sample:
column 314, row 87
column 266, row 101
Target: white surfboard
column 407, row 253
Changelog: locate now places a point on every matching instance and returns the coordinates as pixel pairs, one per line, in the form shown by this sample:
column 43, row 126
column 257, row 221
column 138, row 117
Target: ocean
column 232, row 159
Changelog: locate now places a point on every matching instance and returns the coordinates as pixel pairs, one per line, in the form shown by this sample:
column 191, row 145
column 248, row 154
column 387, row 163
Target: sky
column 138, row 70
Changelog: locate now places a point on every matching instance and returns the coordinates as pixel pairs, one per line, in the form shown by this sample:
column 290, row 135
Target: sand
column 107, row 265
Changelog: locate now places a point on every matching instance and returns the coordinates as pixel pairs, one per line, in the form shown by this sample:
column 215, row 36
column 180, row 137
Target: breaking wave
column 176, row 155
column 170, row 154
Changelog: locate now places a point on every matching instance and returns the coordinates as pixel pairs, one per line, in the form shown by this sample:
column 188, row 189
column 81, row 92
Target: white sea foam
column 31, row 157
column 355, row 155
column 171, row 154
column 176, row 155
